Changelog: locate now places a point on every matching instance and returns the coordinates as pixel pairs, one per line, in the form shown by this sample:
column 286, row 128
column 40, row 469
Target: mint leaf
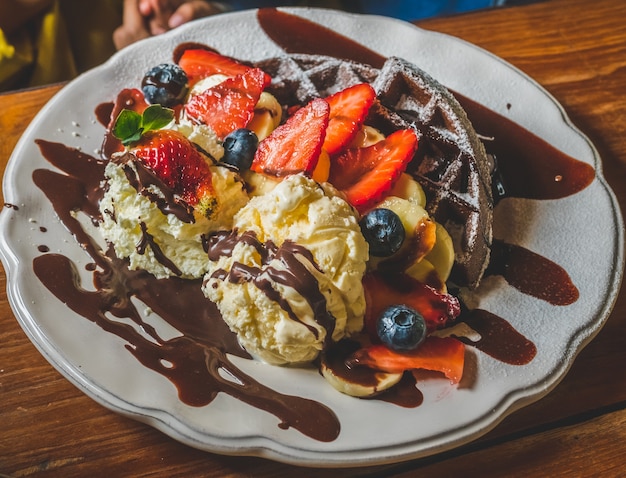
column 130, row 125
column 156, row 117
column 127, row 127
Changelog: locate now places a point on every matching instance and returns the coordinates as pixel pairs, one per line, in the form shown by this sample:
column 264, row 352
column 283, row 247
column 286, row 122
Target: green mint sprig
column 130, row 125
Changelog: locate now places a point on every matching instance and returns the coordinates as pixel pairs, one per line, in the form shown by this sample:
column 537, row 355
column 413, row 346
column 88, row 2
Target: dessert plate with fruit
column 267, row 249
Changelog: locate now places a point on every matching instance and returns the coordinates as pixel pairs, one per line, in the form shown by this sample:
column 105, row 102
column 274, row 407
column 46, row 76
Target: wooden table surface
column 577, row 50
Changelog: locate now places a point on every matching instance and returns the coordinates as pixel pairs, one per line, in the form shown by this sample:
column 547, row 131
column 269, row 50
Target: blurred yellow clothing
column 67, row 39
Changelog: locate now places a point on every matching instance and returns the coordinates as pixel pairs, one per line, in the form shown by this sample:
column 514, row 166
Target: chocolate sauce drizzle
column 294, row 273
column 193, row 361
column 141, row 178
column 147, row 240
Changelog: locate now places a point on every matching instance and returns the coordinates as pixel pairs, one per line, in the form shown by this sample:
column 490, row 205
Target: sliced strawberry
column 437, row 308
column 441, row 354
column 348, row 110
column 295, row 146
column 199, row 63
column 366, row 174
column 229, row 105
column 174, row 159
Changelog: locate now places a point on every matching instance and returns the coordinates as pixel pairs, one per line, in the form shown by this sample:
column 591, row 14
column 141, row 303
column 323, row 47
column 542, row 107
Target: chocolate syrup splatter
column 532, row 274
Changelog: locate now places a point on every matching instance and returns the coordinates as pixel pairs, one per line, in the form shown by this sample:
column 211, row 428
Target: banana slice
column 425, row 272
column 412, row 215
column 358, row 381
column 267, row 116
column 434, row 269
column 408, row 188
column 367, row 136
column 442, row 254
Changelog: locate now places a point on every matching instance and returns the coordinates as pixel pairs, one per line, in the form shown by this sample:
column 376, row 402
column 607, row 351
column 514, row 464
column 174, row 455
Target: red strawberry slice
column 437, row 308
column 441, row 354
column 348, row 110
column 366, row 174
column 295, row 146
column 199, row 63
column 174, row 159
column 229, row 105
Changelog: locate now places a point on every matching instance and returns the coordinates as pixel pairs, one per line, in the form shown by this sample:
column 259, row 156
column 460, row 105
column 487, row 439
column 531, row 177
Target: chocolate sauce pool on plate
column 194, row 360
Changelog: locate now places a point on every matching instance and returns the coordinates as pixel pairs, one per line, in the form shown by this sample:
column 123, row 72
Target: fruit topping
column 358, row 381
column 366, row 174
column 348, row 110
column 229, row 105
column 441, row 354
column 199, row 63
column 165, row 84
column 239, row 148
column 267, row 116
column 438, row 309
column 168, row 154
column 383, row 230
column 401, row 328
column 408, row 188
column 174, row 159
column 322, row 170
column 295, row 146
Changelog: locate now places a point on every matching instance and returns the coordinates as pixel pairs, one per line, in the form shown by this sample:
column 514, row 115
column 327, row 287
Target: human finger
column 160, row 12
column 194, row 9
column 133, row 26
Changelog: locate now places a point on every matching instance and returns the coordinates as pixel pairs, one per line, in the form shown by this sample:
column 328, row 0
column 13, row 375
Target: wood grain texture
column 577, row 50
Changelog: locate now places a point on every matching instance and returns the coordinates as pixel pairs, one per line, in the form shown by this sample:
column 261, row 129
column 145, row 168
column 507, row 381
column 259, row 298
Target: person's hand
column 163, row 15
column 134, row 26
column 145, row 18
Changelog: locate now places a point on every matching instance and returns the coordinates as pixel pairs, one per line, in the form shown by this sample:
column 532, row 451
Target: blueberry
column 401, row 328
column 165, row 84
column 239, row 148
column 383, row 230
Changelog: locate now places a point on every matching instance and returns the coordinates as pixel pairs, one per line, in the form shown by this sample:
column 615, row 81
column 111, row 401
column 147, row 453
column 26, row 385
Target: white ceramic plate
column 583, row 233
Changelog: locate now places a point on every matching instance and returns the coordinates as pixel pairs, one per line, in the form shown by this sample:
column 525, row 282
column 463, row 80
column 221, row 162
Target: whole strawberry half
column 174, row 159
column 348, row 110
column 229, row 105
column 366, row 174
column 199, row 63
column 295, row 146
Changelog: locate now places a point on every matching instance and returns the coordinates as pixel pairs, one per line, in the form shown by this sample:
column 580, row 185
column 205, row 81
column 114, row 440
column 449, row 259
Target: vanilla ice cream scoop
column 145, row 226
column 287, row 278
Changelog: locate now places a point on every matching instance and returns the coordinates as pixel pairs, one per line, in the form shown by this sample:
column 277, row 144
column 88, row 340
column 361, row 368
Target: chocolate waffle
column 451, row 163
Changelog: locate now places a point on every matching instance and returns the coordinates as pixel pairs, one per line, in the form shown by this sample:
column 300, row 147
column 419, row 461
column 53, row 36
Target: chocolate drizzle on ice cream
column 144, row 181
column 295, row 274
